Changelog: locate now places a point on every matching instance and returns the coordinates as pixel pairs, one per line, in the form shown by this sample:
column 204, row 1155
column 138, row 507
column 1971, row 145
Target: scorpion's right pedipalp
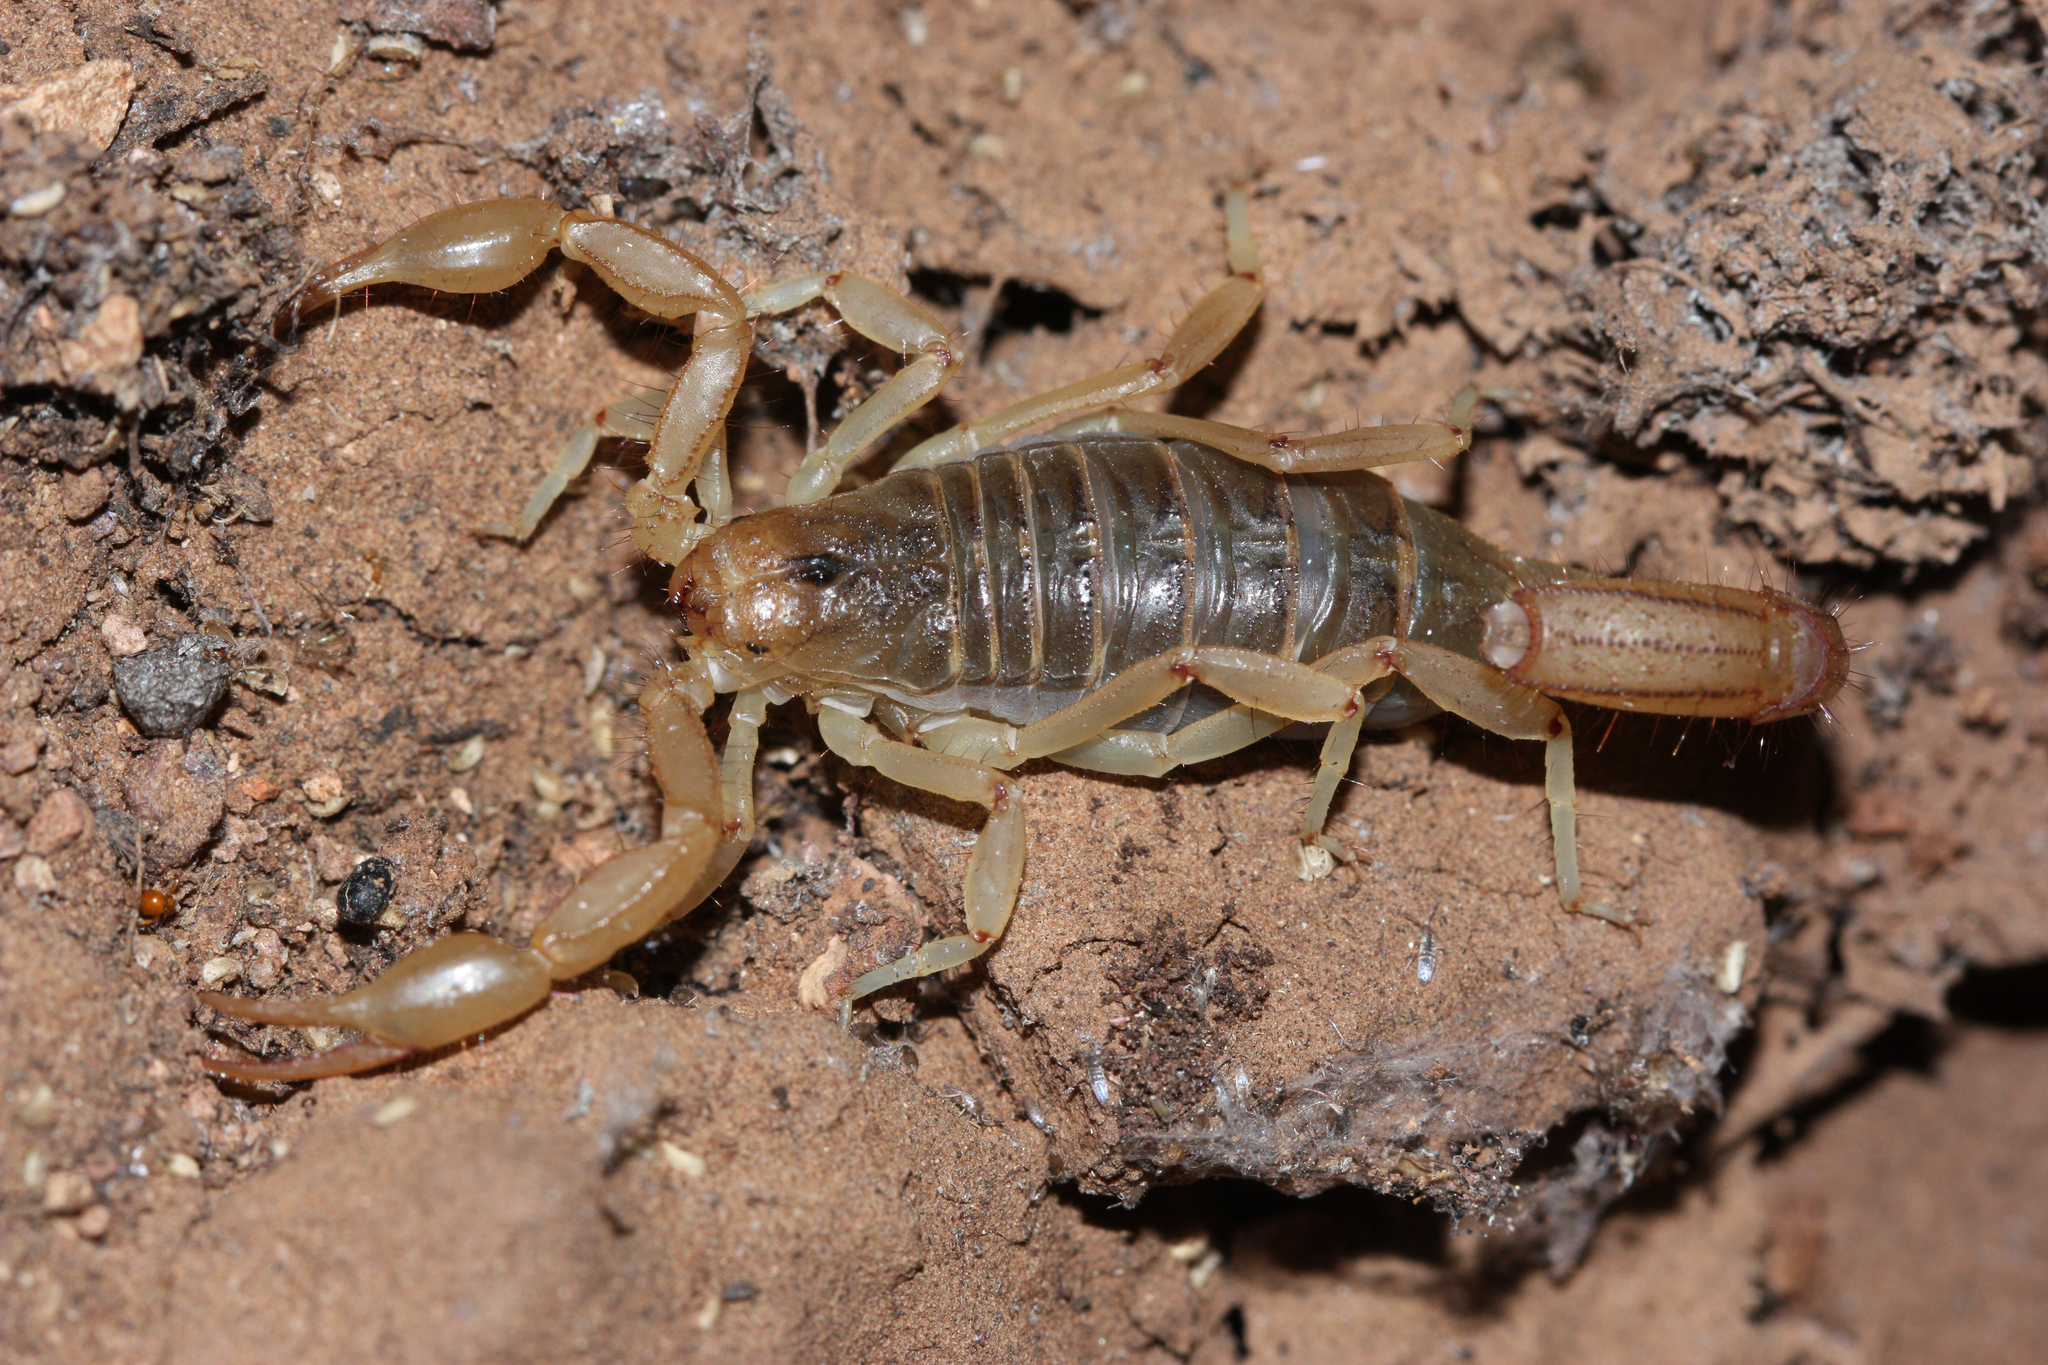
column 482, row 247
column 467, row 983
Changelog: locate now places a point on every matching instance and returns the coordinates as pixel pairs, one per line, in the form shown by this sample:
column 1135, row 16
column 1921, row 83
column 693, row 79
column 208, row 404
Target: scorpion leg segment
column 994, row 870
column 1358, row 448
column 887, row 318
column 631, row 417
column 1217, row 316
column 662, row 279
column 1496, row 703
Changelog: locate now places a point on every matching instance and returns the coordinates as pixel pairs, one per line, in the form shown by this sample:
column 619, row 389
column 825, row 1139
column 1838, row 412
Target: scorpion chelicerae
column 1132, row 592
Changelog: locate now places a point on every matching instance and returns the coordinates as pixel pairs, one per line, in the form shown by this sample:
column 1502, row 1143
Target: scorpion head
column 833, row 591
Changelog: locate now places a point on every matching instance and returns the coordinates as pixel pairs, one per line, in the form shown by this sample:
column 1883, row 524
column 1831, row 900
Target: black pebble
column 367, row 891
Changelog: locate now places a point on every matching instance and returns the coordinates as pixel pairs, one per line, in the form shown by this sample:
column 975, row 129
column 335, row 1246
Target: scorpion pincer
column 1131, row 592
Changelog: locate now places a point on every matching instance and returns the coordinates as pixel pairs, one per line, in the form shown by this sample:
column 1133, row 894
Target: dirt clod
column 172, row 690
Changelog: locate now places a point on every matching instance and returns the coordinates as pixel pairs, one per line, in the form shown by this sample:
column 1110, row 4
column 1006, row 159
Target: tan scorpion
column 1132, row 592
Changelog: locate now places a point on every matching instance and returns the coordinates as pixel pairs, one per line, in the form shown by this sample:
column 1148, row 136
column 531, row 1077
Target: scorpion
column 1131, row 592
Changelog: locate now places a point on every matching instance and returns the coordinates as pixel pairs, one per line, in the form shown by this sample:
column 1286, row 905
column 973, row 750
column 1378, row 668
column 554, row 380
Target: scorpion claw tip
column 340, row 1061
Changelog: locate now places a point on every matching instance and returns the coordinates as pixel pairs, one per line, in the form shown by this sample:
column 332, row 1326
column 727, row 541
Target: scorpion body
column 1132, row 592
column 1012, row 584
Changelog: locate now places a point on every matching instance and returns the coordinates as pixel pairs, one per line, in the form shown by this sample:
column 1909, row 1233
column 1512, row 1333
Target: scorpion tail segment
column 1677, row 649
column 469, row 249
column 449, row 990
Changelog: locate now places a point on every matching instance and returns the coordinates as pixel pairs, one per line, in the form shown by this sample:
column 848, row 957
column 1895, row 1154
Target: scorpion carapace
column 1132, row 592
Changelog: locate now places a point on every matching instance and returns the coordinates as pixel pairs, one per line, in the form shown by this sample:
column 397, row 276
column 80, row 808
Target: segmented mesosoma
column 1132, row 592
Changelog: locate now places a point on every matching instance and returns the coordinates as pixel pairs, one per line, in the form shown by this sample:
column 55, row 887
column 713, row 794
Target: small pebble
column 265, row 966
column 82, row 495
column 367, row 891
column 18, row 756
column 39, row 1110
column 172, row 690
column 394, row 1110
column 66, row 1192
column 467, row 756
column 218, row 971
column 123, row 637
column 95, row 1223
column 62, row 817
column 677, row 1159
column 33, row 876
column 182, row 1166
column 325, row 795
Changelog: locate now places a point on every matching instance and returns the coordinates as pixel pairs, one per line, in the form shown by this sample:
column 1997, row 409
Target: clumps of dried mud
column 1763, row 289
column 1823, row 274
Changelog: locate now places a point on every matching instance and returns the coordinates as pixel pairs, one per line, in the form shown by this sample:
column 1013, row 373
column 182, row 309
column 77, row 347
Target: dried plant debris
column 743, row 188
column 465, row 25
column 1823, row 274
column 127, row 302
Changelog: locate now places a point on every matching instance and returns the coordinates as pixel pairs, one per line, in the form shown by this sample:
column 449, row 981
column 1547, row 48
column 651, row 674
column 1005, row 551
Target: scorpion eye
column 822, row 570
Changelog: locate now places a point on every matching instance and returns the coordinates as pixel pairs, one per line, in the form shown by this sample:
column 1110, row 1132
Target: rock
column 89, row 100
column 66, row 1192
column 170, row 691
column 123, row 637
column 81, row 495
column 61, row 818
column 179, row 798
column 33, row 876
column 465, row 25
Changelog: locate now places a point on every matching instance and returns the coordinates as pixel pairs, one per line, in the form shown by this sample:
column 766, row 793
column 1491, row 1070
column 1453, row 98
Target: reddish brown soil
column 1761, row 290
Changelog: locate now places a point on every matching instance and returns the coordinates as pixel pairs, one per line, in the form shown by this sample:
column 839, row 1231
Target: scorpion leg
column 994, row 870
column 481, row 247
column 1357, row 448
column 1217, row 316
column 1127, row 753
column 467, row 983
column 1272, row 691
column 631, row 417
column 882, row 316
column 1482, row 694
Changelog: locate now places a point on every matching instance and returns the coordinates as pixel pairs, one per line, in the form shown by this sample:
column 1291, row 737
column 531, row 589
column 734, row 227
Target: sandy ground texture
column 1759, row 287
